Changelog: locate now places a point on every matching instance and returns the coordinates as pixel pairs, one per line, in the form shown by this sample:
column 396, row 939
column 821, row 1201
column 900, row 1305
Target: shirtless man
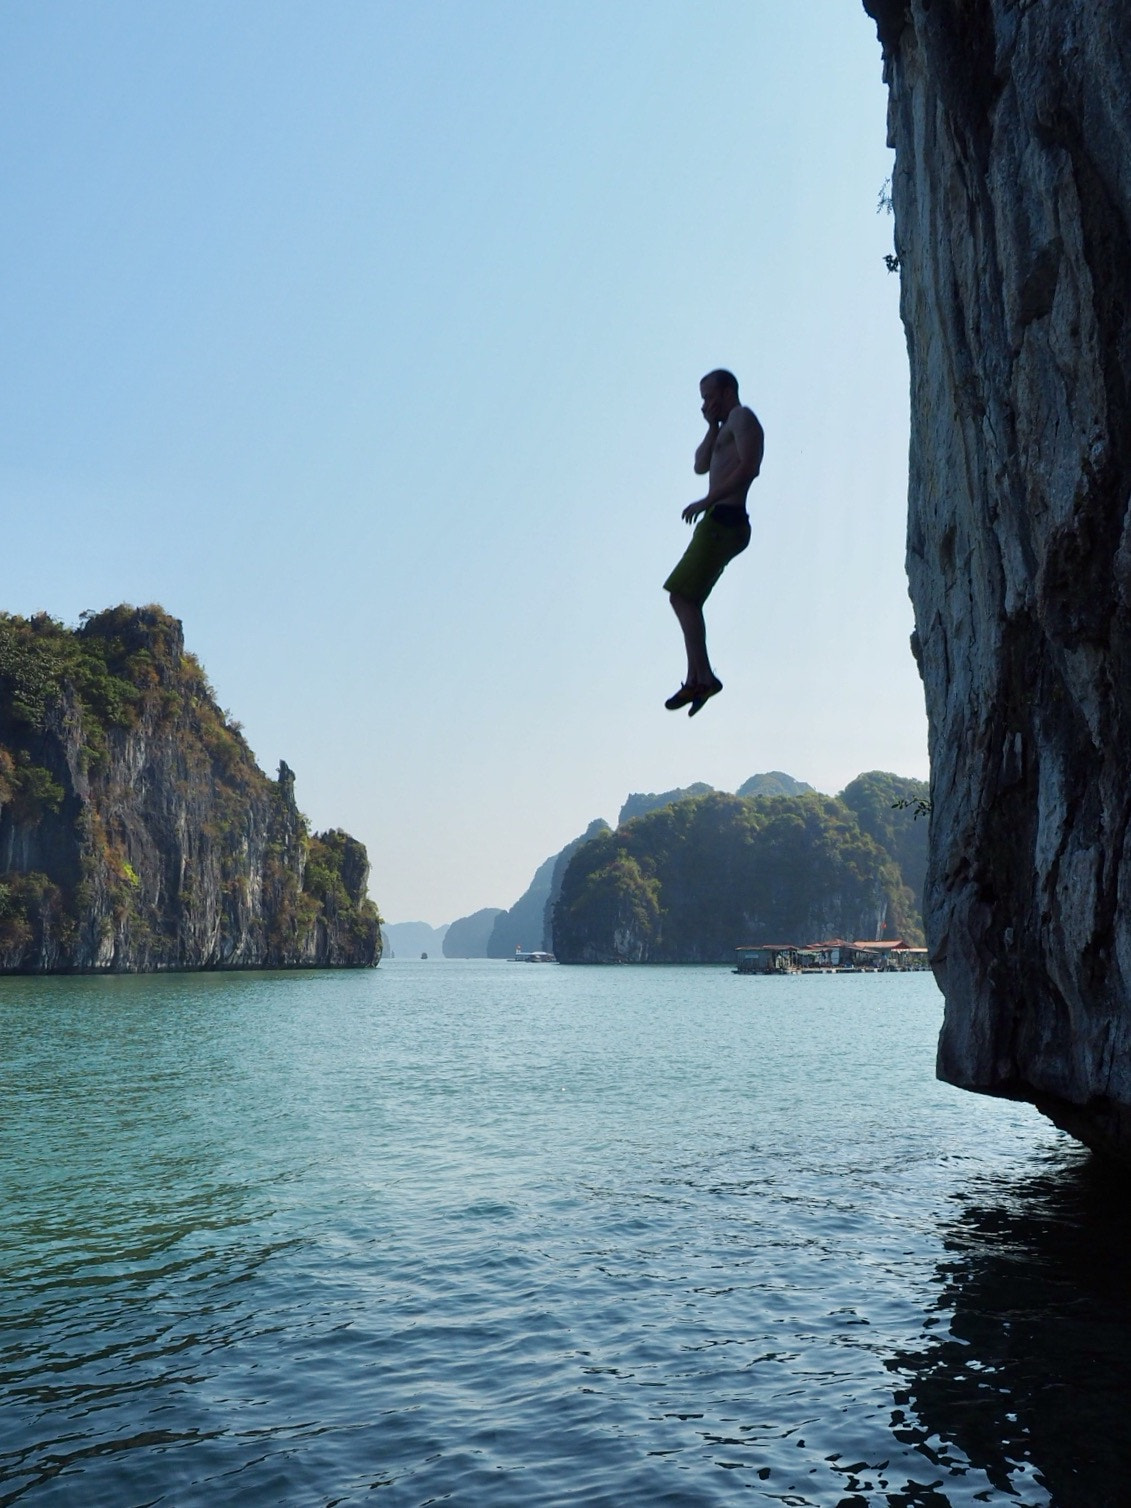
column 731, row 451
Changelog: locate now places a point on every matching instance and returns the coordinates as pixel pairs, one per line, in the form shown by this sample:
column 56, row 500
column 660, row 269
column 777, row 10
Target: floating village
column 833, row 957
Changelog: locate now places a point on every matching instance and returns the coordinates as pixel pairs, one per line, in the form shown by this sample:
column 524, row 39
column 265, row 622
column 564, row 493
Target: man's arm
column 707, row 448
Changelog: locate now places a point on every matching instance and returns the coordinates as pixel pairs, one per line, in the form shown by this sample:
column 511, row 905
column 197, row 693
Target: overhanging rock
column 1012, row 193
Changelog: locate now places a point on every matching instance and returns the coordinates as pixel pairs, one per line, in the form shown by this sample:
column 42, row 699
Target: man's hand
column 693, row 510
column 707, row 443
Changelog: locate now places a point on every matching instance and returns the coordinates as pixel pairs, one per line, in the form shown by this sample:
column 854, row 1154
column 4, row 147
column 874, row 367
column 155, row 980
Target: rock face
column 136, row 830
column 1012, row 195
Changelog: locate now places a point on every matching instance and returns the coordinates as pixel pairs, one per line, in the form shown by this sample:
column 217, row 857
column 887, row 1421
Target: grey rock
column 1012, row 196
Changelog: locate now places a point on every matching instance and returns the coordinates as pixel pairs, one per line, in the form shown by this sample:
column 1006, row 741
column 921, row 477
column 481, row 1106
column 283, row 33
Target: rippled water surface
column 486, row 1233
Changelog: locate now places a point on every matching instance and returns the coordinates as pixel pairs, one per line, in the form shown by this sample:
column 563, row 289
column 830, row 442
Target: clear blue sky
column 365, row 337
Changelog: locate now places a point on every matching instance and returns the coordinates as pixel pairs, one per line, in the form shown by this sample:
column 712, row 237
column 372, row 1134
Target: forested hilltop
column 692, row 881
column 137, row 831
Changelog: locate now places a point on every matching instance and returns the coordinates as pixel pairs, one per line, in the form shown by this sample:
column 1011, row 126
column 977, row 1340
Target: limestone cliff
column 1011, row 122
column 137, row 831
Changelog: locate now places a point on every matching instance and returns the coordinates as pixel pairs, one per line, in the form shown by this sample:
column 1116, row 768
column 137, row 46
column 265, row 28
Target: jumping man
column 731, row 451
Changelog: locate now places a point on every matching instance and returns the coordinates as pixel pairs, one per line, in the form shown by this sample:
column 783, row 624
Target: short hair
column 724, row 378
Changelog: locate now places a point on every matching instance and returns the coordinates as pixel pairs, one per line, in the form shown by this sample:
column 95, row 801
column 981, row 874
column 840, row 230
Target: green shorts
column 713, row 545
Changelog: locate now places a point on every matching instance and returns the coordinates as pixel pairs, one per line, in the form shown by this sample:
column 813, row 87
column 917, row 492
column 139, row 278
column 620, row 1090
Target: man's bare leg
column 690, row 615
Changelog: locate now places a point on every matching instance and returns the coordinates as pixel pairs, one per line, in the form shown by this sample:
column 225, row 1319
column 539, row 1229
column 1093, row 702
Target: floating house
column 887, row 955
column 768, row 958
column 833, row 956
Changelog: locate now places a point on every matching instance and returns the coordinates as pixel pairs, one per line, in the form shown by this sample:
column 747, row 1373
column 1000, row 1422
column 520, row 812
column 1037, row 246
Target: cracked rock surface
column 1011, row 121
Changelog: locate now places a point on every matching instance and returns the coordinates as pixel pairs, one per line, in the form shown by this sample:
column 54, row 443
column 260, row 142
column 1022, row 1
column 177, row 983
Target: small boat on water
column 537, row 957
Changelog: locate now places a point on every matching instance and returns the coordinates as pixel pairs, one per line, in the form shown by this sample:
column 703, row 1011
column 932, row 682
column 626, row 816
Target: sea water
column 496, row 1233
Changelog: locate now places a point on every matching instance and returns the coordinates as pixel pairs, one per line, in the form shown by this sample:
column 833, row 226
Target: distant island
column 411, row 939
column 692, row 873
column 468, row 936
column 690, row 881
column 137, row 832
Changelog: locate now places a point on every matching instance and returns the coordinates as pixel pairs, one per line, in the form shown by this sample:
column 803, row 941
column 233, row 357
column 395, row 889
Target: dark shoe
column 684, row 695
column 702, row 694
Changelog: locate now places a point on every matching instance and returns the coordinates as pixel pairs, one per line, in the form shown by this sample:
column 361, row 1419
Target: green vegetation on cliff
column 136, row 829
column 640, row 803
column 691, row 881
column 891, row 809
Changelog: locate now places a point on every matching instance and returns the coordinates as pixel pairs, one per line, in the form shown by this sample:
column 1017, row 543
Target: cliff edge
column 136, row 830
column 1012, row 197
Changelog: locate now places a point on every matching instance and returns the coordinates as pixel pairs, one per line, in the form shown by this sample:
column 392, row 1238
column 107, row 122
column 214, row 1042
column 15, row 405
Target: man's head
column 719, row 391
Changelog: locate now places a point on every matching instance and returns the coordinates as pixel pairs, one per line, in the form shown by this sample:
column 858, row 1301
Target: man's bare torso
column 741, row 421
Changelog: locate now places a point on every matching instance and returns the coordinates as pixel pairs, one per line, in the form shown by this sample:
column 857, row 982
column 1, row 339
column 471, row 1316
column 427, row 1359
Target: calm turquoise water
column 499, row 1234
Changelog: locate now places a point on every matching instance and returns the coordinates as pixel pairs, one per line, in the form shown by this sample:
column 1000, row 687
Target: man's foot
column 702, row 693
column 686, row 693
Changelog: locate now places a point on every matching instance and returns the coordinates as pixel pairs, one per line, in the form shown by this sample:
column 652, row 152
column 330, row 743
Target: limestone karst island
column 137, row 831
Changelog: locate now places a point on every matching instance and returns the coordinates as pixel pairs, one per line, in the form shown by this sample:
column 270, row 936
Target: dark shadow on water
column 1035, row 1365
